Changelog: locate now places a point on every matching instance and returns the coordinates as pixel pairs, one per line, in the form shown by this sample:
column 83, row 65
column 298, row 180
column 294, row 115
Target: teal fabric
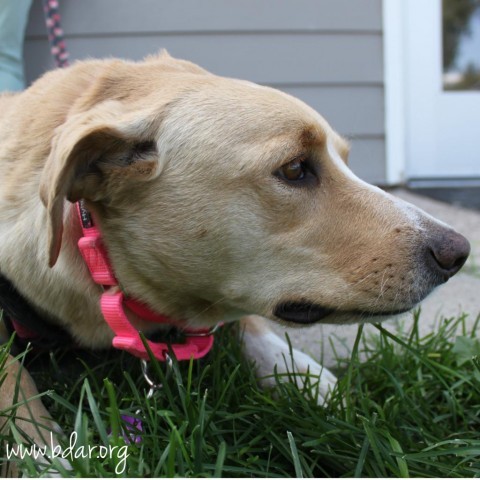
column 13, row 21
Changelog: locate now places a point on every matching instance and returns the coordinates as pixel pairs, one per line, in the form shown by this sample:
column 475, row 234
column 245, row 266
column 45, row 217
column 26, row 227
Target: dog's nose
column 448, row 252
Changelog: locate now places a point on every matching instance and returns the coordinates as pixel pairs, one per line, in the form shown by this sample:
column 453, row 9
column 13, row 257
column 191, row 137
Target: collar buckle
column 127, row 337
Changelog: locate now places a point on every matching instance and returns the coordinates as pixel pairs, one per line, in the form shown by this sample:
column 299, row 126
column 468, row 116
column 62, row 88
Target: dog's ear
column 96, row 155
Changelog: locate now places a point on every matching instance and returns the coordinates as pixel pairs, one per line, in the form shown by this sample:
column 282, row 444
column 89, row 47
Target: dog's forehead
column 290, row 121
column 237, row 111
column 286, row 111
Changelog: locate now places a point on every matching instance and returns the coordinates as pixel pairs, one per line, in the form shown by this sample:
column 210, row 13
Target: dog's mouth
column 306, row 313
column 301, row 312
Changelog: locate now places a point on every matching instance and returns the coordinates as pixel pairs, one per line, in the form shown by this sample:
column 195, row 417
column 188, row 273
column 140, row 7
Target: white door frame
column 413, row 103
column 395, row 95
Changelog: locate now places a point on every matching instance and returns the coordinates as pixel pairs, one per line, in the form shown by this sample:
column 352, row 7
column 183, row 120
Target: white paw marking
column 271, row 354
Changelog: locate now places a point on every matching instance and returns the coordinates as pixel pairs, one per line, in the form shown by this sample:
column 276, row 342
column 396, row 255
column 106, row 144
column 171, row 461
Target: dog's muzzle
column 440, row 258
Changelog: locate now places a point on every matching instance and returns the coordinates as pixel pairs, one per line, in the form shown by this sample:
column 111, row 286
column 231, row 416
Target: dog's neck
column 56, row 292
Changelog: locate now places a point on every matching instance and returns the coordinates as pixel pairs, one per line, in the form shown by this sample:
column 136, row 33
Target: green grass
column 410, row 408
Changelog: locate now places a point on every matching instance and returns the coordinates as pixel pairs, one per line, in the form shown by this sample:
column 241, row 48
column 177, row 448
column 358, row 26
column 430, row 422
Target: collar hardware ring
column 153, row 386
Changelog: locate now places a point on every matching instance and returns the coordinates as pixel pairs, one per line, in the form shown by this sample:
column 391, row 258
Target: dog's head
column 217, row 196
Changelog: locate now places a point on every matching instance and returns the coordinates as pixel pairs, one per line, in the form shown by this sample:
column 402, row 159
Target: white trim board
column 395, row 95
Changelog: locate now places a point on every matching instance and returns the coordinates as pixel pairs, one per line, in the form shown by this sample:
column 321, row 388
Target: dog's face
column 217, row 196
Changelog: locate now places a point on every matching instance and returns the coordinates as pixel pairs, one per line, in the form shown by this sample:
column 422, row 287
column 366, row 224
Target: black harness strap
column 18, row 310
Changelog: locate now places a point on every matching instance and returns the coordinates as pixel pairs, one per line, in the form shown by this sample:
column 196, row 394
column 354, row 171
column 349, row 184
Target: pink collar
column 113, row 302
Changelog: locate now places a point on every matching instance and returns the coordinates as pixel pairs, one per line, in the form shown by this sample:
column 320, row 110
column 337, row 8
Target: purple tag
column 133, row 427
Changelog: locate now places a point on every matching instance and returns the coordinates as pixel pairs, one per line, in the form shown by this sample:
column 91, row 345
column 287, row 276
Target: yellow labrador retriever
column 216, row 198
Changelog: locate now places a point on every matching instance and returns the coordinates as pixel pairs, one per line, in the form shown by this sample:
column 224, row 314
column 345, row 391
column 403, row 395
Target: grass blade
column 222, row 450
column 296, row 459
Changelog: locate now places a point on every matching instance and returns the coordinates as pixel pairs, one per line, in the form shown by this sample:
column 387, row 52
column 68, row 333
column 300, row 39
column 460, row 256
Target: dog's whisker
column 383, row 282
column 365, row 277
column 207, row 308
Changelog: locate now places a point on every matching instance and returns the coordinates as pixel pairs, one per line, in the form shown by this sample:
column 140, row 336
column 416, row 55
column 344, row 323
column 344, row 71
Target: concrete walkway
column 461, row 294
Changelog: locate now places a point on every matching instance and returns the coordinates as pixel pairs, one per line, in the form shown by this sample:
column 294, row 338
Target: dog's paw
column 309, row 376
column 274, row 358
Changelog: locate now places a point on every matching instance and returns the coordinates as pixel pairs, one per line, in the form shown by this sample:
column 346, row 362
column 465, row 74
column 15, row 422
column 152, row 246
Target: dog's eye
column 296, row 172
column 293, row 171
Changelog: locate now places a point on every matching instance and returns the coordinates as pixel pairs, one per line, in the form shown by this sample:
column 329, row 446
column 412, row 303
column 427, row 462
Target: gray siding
column 326, row 52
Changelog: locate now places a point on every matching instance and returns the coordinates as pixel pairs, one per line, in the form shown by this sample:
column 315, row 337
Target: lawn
column 410, row 408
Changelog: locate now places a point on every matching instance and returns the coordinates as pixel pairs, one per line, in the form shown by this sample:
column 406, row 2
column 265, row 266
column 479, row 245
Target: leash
column 58, row 47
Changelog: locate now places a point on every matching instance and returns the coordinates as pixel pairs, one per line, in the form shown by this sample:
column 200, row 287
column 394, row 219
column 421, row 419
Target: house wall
column 326, row 52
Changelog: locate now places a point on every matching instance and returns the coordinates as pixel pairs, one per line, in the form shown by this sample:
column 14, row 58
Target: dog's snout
column 448, row 252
